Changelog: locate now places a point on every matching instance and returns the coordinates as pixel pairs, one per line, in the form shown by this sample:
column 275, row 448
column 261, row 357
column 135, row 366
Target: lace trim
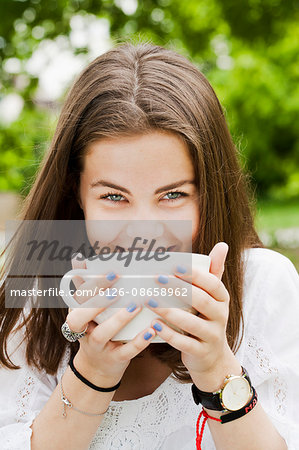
column 142, row 423
column 265, row 360
column 28, row 386
column 16, row 439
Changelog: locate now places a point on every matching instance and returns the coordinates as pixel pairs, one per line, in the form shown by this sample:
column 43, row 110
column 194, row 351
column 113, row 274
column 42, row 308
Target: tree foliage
column 248, row 49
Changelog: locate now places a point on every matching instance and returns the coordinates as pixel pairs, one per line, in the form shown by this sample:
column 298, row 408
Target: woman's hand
column 100, row 357
column 206, row 354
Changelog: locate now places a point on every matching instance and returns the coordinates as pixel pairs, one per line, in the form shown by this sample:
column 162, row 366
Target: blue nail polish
column 147, row 336
column 157, row 327
column 163, row 279
column 181, row 269
column 152, row 303
column 131, row 307
column 111, row 276
column 110, row 297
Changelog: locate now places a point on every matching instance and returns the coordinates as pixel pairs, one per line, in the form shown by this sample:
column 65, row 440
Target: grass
column 272, row 215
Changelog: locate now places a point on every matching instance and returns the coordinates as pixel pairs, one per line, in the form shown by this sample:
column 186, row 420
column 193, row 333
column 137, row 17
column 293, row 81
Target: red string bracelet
column 224, row 418
column 199, row 436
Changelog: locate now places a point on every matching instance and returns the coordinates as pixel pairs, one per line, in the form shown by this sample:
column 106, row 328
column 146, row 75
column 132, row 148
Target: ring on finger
column 71, row 335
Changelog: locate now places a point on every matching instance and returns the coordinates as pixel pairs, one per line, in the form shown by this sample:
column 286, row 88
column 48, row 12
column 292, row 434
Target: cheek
column 93, row 218
column 100, row 227
column 90, row 209
column 191, row 214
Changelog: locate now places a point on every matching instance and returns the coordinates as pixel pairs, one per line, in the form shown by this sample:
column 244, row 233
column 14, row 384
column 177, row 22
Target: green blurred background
column 248, row 50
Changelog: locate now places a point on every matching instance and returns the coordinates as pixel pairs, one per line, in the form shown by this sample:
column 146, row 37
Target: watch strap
column 211, row 400
column 246, row 375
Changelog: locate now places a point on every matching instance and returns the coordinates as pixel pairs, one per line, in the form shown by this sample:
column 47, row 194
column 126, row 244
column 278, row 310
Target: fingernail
column 157, row 327
column 181, row 269
column 152, row 303
column 163, row 279
column 77, row 255
column 111, row 276
column 131, row 307
column 147, row 336
column 111, row 296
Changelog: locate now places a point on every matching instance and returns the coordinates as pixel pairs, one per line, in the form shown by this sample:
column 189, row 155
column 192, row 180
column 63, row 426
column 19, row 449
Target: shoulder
column 261, row 262
column 265, row 254
column 270, row 280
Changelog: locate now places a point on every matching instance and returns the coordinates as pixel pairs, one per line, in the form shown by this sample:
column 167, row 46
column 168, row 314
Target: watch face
column 236, row 393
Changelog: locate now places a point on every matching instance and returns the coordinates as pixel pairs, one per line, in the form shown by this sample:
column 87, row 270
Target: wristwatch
column 232, row 396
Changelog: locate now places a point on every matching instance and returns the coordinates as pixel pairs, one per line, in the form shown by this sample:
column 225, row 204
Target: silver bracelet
column 69, row 404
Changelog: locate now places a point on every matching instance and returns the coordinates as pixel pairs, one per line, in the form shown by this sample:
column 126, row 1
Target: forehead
column 157, row 147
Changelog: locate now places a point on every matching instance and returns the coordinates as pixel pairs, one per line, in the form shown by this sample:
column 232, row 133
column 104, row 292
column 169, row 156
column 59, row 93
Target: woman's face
column 139, row 178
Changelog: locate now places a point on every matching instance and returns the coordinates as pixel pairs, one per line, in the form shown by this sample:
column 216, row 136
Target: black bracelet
column 91, row 385
column 241, row 412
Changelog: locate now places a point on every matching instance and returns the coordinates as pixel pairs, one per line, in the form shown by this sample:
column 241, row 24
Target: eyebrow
column 107, row 183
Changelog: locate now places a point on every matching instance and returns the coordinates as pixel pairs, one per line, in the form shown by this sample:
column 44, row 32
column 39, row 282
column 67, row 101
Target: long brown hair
column 137, row 88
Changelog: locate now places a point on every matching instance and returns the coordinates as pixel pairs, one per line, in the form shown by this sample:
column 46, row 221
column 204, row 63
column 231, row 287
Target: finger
column 78, row 318
column 186, row 344
column 135, row 346
column 96, row 286
column 208, row 282
column 207, row 306
column 218, row 256
column 191, row 297
column 90, row 327
column 183, row 321
column 111, row 326
column 78, row 263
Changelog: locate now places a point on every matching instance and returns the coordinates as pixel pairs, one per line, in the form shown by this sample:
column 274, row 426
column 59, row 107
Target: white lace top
column 166, row 419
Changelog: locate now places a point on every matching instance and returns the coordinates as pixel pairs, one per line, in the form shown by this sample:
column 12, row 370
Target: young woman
column 142, row 136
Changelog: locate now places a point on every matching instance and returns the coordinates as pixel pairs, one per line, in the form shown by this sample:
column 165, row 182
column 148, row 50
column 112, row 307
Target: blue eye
column 111, row 194
column 117, row 198
column 176, row 195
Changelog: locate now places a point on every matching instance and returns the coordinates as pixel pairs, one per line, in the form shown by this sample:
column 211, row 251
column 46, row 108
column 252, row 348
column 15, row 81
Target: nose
column 148, row 229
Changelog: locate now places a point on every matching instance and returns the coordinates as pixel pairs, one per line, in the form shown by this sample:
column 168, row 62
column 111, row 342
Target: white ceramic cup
column 135, row 282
